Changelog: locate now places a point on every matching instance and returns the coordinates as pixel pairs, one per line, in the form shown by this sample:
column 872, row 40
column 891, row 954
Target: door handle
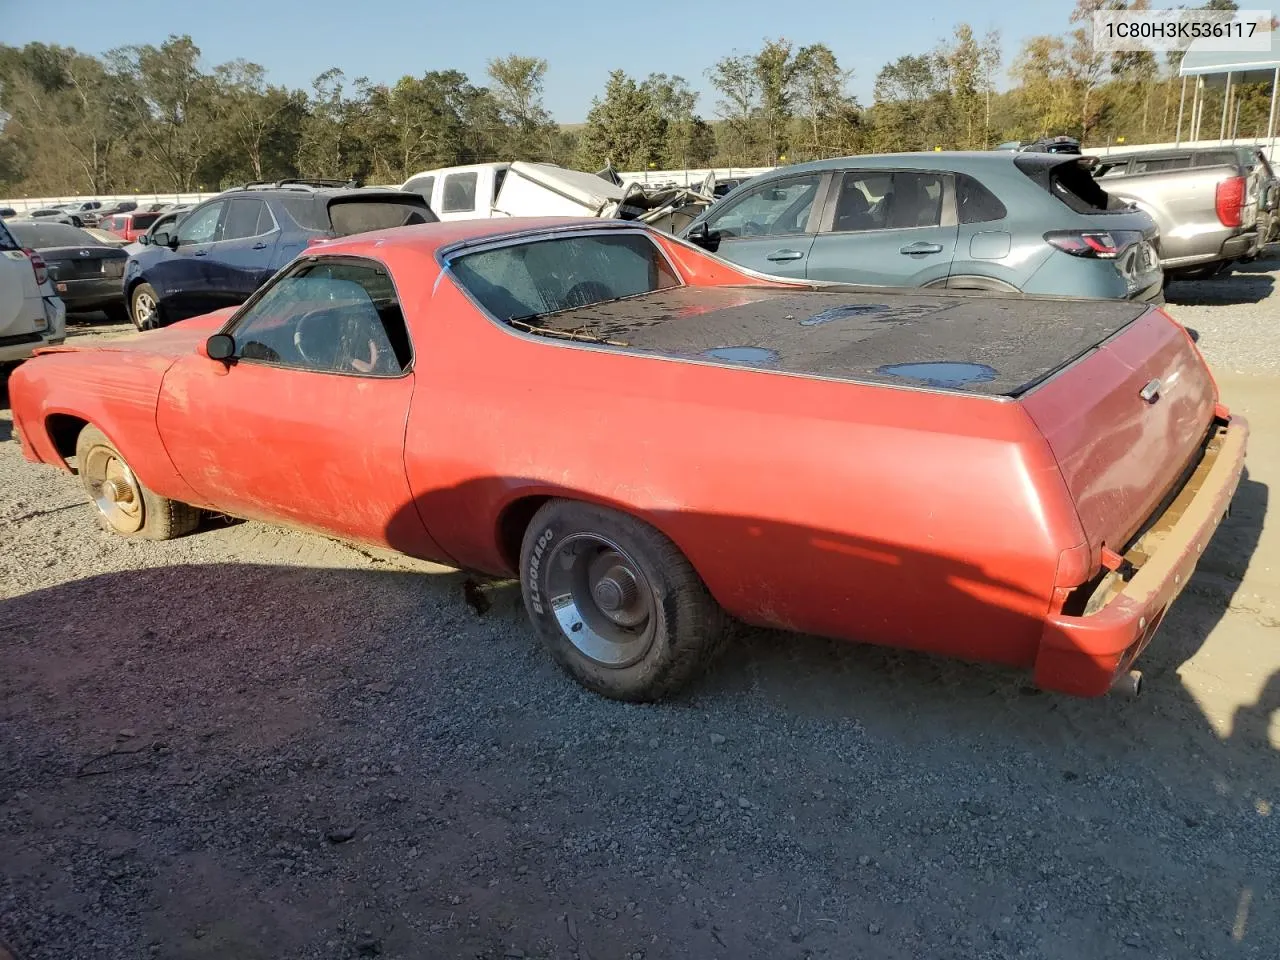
column 921, row 247
column 200, row 253
column 259, row 246
column 788, row 255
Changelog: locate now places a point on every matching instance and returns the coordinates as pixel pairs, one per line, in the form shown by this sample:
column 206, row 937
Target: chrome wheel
column 114, row 489
column 601, row 599
column 144, row 309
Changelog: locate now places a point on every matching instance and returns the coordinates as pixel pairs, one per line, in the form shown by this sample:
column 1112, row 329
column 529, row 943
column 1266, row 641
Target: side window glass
column 328, row 317
column 499, row 175
column 422, row 186
column 975, row 203
column 870, row 200
column 202, row 225
column 245, row 218
column 1162, row 163
column 773, row 209
column 459, row 193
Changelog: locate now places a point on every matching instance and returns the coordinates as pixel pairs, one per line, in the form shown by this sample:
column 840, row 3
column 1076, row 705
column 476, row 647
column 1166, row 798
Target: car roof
column 431, row 237
column 960, row 161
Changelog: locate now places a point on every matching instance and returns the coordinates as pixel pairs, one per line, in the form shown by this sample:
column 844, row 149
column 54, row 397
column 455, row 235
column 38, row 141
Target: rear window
column 1071, row 183
column 360, row 216
column 143, row 220
column 6, row 239
column 42, row 235
column 529, row 280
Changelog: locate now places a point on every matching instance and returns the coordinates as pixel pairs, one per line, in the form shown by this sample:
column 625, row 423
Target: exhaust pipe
column 1128, row 683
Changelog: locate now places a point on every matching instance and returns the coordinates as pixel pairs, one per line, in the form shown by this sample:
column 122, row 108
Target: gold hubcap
column 114, row 489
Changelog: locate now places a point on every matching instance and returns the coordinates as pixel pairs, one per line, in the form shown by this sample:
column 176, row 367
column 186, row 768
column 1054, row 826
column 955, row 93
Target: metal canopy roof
column 1248, row 66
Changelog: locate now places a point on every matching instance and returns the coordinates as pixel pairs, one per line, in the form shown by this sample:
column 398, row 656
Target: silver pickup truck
column 1214, row 206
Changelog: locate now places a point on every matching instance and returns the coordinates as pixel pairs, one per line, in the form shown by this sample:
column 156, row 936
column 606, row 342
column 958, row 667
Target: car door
column 305, row 423
column 241, row 259
column 181, row 276
column 886, row 227
column 768, row 227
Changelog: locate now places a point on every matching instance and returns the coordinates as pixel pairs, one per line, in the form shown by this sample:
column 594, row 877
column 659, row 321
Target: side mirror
column 163, row 238
column 221, row 346
column 145, row 239
column 703, row 236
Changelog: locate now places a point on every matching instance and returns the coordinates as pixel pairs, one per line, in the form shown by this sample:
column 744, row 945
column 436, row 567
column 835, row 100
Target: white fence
column 24, row 204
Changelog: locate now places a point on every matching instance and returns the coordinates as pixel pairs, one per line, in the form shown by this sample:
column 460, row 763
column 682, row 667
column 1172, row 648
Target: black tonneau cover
column 975, row 343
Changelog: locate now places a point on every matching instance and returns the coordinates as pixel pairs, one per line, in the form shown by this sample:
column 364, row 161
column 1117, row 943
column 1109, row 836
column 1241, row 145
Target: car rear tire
column 123, row 504
column 618, row 605
column 144, row 307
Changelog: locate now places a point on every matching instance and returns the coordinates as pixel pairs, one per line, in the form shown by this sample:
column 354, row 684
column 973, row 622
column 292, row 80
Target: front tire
column 124, row 505
column 618, row 605
column 144, row 307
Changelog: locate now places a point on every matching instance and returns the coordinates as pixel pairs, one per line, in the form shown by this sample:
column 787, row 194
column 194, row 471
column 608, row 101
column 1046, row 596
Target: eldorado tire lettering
column 535, row 597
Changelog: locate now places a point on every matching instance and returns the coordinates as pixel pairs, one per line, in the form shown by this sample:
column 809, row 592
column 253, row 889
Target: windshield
column 40, row 235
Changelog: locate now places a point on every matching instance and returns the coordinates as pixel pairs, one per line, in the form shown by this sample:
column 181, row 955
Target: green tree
column 518, row 87
column 625, row 127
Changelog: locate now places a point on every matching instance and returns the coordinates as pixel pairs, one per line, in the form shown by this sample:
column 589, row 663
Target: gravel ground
column 255, row 743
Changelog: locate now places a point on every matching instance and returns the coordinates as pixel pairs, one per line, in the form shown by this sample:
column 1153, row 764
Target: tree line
column 149, row 118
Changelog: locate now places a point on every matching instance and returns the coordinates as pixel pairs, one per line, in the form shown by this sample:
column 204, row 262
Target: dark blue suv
column 223, row 250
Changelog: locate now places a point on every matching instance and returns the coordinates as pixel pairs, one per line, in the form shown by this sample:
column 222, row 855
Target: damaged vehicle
column 659, row 445
column 488, row 190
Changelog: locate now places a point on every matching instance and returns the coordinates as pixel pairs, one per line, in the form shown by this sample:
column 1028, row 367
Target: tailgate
column 19, row 295
column 1124, row 422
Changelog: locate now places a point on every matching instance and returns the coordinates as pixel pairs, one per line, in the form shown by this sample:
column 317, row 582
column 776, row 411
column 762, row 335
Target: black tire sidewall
column 551, row 527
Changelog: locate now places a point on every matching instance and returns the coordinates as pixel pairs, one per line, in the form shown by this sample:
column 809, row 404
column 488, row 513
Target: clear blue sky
column 385, row 39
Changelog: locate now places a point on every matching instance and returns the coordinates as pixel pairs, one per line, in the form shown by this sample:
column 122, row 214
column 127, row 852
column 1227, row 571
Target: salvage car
column 658, row 445
column 993, row 220
column 85, row 271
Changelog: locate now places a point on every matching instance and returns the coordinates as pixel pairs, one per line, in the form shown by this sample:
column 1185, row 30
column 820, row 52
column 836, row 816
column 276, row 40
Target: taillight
column 1228, row 201
column 1098, row 244
column 38, row 265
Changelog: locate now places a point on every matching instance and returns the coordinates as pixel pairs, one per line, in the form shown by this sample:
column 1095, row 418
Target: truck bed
column 971, row 343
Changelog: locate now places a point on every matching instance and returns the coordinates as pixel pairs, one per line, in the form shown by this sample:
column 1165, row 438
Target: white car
column 31, row 314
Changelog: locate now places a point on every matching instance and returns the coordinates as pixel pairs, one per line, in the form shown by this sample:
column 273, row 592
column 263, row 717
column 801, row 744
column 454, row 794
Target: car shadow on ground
column 1233, row 289
column 203, row 722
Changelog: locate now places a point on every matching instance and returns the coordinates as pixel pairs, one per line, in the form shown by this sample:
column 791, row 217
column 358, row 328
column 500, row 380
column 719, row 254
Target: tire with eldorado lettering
column 618, row 605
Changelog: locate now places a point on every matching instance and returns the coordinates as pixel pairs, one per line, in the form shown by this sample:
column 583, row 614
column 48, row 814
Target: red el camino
column 660, row 445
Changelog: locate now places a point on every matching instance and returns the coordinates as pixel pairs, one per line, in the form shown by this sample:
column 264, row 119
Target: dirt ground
column 252, row 743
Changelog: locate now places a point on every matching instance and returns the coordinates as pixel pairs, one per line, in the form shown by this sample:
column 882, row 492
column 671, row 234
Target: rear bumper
column 1083, row 655
column 21, row 346
column 90, row 294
